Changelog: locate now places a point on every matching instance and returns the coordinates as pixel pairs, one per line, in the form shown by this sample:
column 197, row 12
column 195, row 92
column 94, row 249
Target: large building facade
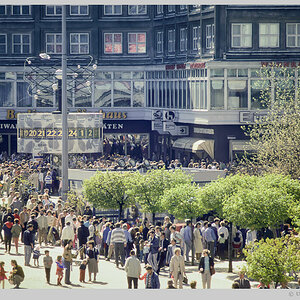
column 180, row 79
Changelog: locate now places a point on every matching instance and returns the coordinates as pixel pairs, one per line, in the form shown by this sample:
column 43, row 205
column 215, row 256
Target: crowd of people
column 30, row 218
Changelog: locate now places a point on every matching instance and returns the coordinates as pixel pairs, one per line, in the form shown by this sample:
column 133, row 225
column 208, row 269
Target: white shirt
column 67, row 233
column 224, row 230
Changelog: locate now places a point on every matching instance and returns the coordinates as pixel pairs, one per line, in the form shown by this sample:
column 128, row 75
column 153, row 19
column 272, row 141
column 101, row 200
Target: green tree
column 148, row 189
column 108, row 190
column 272, row 260
column 183, row 201
column 75, row 201
column 276, row 136
column 214, row 193
column 267, row 201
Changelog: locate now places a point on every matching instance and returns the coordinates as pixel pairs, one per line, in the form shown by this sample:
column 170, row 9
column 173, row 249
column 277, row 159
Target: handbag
column 212, row 271
column 185, row 279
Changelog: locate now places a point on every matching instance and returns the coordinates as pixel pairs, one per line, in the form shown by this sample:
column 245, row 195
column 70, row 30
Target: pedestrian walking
column 82, row 269
column 59, row 269
column 92, row 255
column 67, row 260
column 198, row 241
column 7, row 234
column 118, row 240
column 15, row 234
column 48, row 261
column 152, row 280
column 28, row 243
column 36, row 255
column 206, row 268
column 133, row 270
column 177, row 268
column 2, row 274
column 153, row 251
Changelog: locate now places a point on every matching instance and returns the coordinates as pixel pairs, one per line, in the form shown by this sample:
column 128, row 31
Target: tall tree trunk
column 153, row 218
column 120, row 212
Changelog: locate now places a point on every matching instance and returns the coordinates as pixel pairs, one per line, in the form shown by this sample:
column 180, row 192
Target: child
column 59, row 269
column 36, row 255
column 2, row 273
column 48, row 261
column 82, row 270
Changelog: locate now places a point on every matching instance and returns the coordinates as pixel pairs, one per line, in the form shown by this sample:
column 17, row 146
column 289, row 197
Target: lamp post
column 64, row 113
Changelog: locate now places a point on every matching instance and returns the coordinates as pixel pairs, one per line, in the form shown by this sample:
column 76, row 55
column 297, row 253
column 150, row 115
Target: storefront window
column 217, row 94
column 217, row 73
column 135, row 145
column 82, row 93
column 6, row 97
column 260, row 92
column 122, row 93
column 237, row 94
column 23, row 98
column 138, row 94
column 102, row 94
column 203, row 93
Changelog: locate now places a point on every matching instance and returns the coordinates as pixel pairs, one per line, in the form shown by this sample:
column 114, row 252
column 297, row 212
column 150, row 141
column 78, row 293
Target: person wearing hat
column 152, row 279
column 28, row 238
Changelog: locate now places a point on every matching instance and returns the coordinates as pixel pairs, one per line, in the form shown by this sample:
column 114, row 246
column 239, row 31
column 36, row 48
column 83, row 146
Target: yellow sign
column 11, row 114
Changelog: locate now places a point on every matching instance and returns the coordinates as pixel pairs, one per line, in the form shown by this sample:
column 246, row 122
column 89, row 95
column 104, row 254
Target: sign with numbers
column 42, row 132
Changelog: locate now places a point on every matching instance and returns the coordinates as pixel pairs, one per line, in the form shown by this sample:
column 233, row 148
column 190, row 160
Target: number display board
column 42, row 133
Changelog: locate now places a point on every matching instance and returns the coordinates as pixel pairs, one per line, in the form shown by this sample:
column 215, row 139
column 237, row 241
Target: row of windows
column 83, row 10
column 79, row 43
column 269, row 35
column 74, row 10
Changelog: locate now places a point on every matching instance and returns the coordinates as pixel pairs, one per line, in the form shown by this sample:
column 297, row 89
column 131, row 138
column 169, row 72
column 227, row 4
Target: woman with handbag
column 92, row 254
column 206, row 268
column 177, row 268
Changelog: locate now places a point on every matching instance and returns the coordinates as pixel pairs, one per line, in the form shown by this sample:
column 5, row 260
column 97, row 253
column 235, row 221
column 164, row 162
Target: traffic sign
column 183, row 130
column 170, row 116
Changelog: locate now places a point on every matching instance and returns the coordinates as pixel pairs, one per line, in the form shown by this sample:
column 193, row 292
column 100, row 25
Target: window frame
column 79, row 44
column 55, row 11
column 13, row 44
column 196, row 40
column 21, row 10
column 4, row 34
column 171, row 41
column 78, row 7
column 128, row 42
column 269, row 35
column 241, row 35
column 173, row 10
column 161, row 11
column 159, row 42
column 183, row 39
column 210, row 37
column 137, row 10
column 55, row 43
column 296, row 35
column 113, row 11
column 113, row 33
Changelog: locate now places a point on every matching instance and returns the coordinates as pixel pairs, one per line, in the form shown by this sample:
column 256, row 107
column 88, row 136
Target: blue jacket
column 154, row 281
column 28, row 238
column 105, row 234
column 154, row 245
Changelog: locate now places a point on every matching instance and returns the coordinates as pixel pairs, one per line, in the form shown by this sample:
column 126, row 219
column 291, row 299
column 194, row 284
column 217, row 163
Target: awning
column 241, row 145
column 194, row 145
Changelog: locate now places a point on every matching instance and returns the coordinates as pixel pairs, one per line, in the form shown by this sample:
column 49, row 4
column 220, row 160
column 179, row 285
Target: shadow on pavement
column 97, row 282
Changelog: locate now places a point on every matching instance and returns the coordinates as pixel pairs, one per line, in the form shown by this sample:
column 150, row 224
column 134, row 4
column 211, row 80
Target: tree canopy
column 276, row 136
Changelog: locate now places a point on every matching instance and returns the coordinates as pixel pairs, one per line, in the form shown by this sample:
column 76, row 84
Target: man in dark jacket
column 88, row 211
column 153, row 251
column 28, row 243
column 163, row 249
column 83, row 234
column 152, row 280
column 243, row 282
